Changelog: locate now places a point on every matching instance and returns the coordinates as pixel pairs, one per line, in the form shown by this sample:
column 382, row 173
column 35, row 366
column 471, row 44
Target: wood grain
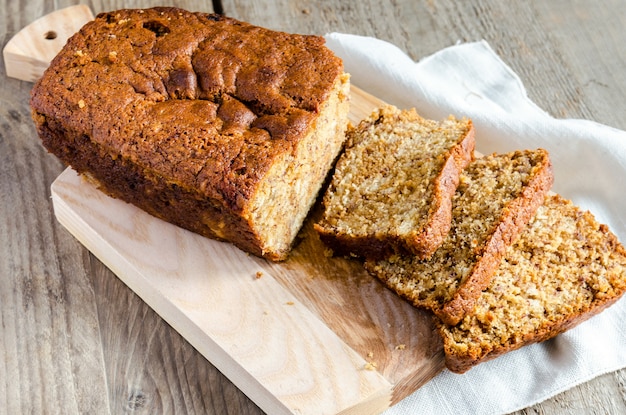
column 30, row 51
column 65, row 318
column 115, row 355
column 569, row 55
column 149, row 367
column 49, row 344
column 311, row 335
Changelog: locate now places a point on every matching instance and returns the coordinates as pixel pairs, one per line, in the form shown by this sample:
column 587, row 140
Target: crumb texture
column 564, row 268
column 486, row 209
column 394, row 182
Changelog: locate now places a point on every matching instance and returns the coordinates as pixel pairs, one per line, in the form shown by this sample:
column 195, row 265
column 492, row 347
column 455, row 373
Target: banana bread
column 392, row 187
column 497, row 196
column 564, row 268
column 215, row 125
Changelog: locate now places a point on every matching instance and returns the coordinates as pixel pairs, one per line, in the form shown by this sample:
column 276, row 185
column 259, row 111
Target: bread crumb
column 401, row 347
column 258, row 274
column 290, row 303
column 501, row 194
column 81, row 104
column 113, row 56
column 370, row 366
column 370, row 355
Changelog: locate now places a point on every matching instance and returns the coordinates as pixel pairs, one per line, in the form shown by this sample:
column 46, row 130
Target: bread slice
column 564, row 268
column 392, row 187
column 496, row 198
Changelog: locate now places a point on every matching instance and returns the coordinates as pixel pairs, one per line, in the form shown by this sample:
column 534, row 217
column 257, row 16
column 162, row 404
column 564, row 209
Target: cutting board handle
column 30, row 51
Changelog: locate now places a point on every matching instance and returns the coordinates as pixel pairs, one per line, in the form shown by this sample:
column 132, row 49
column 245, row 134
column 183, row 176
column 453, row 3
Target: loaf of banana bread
column 392, row 188
column 564, row 268
column 215, row 125
column 496, row 198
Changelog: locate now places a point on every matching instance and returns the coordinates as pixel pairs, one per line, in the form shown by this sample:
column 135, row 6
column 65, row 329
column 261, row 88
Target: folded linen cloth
column 589, row 162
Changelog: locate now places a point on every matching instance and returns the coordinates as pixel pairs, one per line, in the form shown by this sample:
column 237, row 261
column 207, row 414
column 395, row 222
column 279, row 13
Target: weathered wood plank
column 73, row 338
column 590, row 41
column 50, row 353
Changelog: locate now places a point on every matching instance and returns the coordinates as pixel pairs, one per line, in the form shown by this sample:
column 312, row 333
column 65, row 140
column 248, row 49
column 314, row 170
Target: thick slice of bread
column 496, row 198
column 564, row 268
column 392, row 187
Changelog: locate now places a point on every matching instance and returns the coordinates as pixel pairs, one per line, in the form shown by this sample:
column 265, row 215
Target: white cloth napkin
column 589, row 164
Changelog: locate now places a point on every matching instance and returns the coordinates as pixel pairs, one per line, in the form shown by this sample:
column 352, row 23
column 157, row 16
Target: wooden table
column 75, row 339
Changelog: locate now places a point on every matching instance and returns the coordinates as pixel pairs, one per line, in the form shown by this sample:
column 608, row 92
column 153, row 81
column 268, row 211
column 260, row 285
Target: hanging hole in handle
column 50, row 34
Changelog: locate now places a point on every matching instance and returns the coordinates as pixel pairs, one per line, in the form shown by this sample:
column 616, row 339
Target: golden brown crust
column 462, row 363
column 196, row 104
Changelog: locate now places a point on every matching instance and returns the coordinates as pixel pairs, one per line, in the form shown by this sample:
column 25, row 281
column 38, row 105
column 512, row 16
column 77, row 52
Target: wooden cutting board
column 311, row 335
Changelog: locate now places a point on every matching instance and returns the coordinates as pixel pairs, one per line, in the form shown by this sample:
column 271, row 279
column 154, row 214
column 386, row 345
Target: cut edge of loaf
column 515, row 216
column 461, row 364
column 302, row 174
column 461, row 360
column 421, row 242
column 210, row 187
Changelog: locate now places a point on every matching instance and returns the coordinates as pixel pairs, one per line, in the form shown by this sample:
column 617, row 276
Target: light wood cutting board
column 311, row 335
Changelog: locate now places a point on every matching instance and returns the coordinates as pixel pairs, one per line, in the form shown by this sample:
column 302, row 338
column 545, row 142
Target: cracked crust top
column 161, row 86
